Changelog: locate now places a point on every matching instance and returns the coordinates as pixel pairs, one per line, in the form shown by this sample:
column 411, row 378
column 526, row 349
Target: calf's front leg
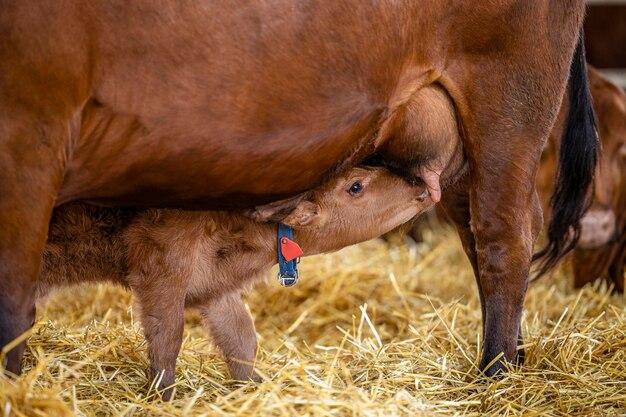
column 228, row 322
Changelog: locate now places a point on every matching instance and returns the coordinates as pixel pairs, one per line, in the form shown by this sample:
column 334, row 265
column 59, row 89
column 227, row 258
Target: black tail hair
column 577, row 161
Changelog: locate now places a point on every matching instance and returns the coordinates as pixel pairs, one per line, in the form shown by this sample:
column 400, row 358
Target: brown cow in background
column 600, row 250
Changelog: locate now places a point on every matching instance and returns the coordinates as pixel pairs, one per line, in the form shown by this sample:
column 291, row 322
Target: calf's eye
column 356, row 188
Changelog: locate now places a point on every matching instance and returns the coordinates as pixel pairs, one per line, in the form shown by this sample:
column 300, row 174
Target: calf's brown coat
column 173, row 259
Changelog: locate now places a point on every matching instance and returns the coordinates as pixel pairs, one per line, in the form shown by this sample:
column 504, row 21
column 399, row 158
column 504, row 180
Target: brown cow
column 174, row 259
column 208, row 105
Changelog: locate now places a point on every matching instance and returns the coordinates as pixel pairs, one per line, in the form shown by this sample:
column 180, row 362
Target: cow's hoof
column 256, row 378
column 520, row 356
column 493, row 369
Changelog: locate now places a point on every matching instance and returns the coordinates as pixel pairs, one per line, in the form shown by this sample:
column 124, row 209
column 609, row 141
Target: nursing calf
column 173, row 259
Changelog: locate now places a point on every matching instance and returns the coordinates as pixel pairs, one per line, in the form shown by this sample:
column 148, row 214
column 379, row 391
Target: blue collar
column 288, row 254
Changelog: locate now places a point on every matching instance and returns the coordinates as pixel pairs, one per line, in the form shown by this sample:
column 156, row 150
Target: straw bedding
column 373, row 330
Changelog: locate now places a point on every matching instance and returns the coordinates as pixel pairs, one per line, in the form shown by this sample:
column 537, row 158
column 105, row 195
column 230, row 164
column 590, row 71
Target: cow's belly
column 232, row 115
column 119, row 160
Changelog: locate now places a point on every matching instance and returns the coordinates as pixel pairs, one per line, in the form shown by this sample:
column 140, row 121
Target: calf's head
column 362, row 204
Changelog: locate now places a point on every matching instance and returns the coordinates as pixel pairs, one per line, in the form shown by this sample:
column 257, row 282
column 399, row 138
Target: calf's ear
column 305, row 213
column 275, row 212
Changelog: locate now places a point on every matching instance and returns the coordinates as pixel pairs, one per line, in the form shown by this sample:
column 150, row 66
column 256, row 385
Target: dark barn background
column 605, row 31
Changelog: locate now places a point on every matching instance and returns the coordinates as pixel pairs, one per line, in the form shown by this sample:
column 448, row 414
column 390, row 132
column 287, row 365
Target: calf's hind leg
column 162, row 254
column 32, row 161
column 232, row 329
column 162, row 314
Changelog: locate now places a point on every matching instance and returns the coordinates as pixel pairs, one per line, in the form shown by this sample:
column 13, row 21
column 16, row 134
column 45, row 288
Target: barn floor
column 374, row 330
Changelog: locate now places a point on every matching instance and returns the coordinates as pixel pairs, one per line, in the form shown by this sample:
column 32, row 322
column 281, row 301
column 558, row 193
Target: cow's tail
column 577, row 161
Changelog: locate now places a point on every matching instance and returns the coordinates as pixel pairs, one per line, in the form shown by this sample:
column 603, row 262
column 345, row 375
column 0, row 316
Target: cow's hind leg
column 455, row 203
column 505, row 230
column 507, row 102
column 505, row 221
column 32, row 160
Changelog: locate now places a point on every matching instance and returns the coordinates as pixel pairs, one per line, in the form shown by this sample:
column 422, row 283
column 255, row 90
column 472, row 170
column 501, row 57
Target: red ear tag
column 290, row 249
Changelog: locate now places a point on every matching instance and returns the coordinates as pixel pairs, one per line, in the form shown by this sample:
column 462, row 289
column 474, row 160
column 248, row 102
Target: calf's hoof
column 166, row 394
column 241, row 371
column 162, row 381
